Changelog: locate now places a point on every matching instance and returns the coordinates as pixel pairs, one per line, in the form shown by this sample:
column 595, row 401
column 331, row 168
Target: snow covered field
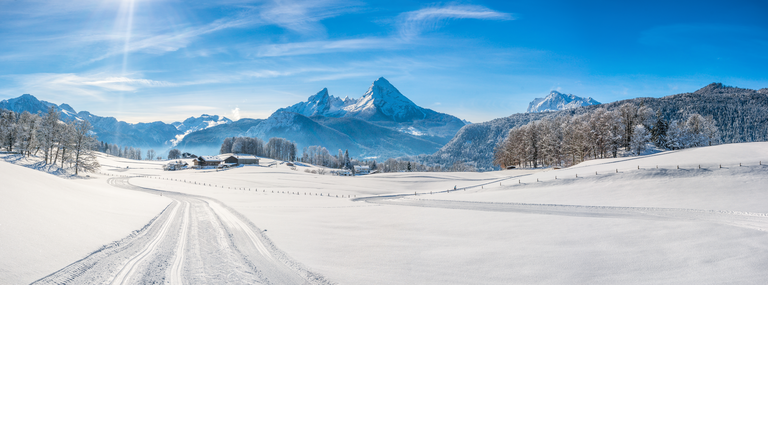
column 600, row 222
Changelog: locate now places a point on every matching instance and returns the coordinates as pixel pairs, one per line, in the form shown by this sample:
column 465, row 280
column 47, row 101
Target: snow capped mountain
column 322, row 104
column 31, row 104
column 384, row 105
column 383, row 101
column 281, row 119
column 556, row 101
column 194, row 124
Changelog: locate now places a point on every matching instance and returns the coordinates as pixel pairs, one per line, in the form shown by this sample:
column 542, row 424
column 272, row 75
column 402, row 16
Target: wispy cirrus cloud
column 89, row 83
column 409, row 26
column 304, row 16
column 414, row 23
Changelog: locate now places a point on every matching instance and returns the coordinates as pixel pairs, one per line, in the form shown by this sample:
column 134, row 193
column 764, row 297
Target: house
column 175, row 165
column 239, row 159
column 362, row 169
column 206, row 161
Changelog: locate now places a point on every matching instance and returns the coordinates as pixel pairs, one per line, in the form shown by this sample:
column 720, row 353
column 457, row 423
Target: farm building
column 239, row 159
column 206, row 161
column 362, row 169
column 175, row 165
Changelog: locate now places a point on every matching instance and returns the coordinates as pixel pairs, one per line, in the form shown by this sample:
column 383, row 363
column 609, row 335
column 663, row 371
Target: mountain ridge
column 740, row 114
column 556, row 101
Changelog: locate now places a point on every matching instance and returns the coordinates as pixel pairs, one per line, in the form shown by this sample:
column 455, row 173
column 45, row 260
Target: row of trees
column 126, row 152
column 275, row 148
column 600, row 133
column 57, row 142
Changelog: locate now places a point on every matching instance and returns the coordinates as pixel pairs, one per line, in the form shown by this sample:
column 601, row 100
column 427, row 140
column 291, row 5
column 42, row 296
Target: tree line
column 126, row 152
column 600, row 133
column 57, row 142
column 275, row 148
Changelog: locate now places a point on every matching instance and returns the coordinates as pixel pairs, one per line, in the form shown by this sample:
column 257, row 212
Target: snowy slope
column 556, row 101
column 653, row 225
column 48, row 222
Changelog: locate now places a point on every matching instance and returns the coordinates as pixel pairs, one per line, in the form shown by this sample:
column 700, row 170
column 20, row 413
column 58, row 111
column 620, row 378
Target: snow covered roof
column 209, row 158
column 237, row 155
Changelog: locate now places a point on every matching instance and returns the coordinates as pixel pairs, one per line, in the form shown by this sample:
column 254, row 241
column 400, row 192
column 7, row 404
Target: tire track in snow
column 129, row 269
column 235, row 222
column 176, row 276
column 218, row 246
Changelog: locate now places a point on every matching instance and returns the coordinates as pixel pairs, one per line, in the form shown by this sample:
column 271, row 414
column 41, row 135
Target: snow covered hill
column 556, row 101
column 690, row 216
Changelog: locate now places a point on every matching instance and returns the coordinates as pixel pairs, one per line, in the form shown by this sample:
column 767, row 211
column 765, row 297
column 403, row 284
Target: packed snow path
column 756, row 221
column 195, row 240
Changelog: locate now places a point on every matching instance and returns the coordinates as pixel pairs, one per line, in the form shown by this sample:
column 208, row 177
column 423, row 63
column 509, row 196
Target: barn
column 239, row 159
column 206, row 161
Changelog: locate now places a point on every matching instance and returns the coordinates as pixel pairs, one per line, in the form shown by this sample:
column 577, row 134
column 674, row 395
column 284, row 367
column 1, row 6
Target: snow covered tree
column 641, row 137
column 710, row 131
column 677, row 136
column 27, row 127
column 659, row 132
column 151, row 154
column 9, row 129
column 83, row 145
column 226, row 146
column 174, row 154
column 50, row 132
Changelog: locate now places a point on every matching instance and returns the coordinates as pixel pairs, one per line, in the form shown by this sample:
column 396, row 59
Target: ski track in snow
column 755, row 221
column 195, row 240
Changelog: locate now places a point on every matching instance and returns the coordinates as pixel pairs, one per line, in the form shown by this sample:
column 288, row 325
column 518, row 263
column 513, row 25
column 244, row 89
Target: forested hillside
column 741, row 115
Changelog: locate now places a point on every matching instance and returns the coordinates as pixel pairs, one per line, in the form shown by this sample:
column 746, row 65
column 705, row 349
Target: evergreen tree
column 659, row 132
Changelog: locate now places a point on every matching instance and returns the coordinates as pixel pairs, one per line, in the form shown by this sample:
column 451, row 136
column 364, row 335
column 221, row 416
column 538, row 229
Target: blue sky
column 146, row 60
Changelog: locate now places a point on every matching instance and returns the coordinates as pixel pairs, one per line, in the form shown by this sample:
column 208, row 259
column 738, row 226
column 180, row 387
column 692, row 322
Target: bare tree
column 82, row 148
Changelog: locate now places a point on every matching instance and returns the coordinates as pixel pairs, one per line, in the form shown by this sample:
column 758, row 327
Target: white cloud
column 410, row 25
column 302, row 16
column 414, row 23
column 236, row 114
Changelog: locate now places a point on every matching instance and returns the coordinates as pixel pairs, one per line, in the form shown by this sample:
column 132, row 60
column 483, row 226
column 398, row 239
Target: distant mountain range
column 556, row 101
column 382, row 123
column 156, row 135
column 740, row 114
